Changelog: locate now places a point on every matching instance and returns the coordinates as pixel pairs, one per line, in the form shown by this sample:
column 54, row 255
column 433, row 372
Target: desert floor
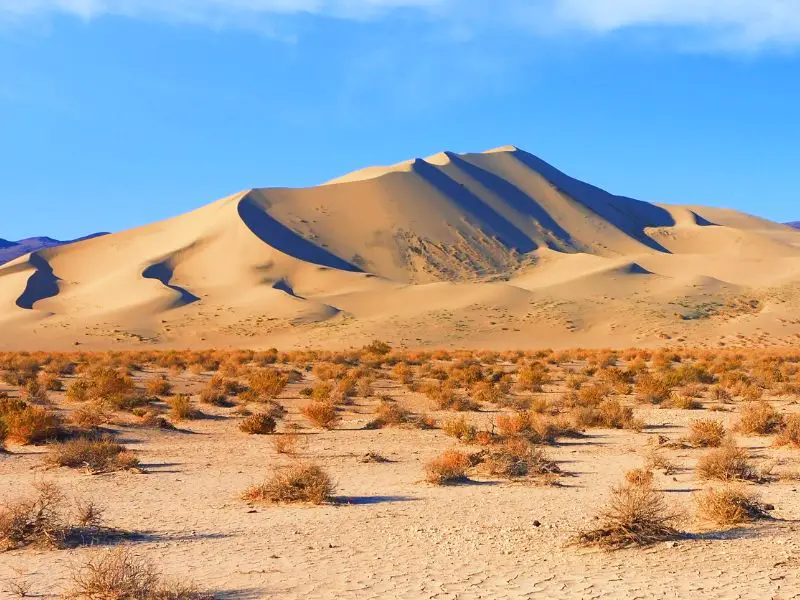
column 388, row 533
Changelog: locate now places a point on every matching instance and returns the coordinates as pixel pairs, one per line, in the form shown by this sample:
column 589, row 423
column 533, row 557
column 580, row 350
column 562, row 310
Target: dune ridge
column 495, row 249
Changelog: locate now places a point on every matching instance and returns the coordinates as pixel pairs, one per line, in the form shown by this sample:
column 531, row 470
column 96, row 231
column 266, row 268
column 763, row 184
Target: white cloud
column 742, row 23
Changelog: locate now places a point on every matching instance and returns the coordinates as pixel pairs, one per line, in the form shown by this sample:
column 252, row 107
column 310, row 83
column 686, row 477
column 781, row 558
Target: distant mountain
column 11, row 250
column 795, row 224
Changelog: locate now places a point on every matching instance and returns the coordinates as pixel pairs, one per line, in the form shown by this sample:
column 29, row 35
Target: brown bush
column 34, row 521
column 449, row 467
column 460, row 428
column 730, row 506
column 158, row 386
column 759, row 418
column 636, row 515
column 726, row 463
column 297, row 483
column 652, row 390
column 267, row 382
column 119, row 574
column 639, row 477
column 789, row 435
column 90, row 416
column 390, row 414
column 517, row 458
column 94, row 455
column 706, row 433
column 181, row 408
column 287, row 443
column 321, row 414
column 258, row 424
column 33, row 425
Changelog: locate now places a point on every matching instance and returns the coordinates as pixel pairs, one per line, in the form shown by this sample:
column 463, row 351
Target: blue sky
column 115, row 113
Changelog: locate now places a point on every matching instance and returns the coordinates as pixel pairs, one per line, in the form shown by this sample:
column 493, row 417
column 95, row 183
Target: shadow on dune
column 626, row 214
column 163, row 272
column 274, row 233
column 519, row 200
column 487, row 217
column 41, row 285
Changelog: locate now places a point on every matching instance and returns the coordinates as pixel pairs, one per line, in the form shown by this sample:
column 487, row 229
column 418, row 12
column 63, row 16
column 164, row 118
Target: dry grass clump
column 90, row 416
column 302, row 482
column 759, row 418
column 181, row 408
column 158, row 386
column 32, row 425
column 118, row 574
column 448, row 468
column 42, row 520
column 267, row 382
column 726, row 463
column 730, row 506
column 517, row 458
column 389, row 414
column 94, row 455
column 789, row 435
column 706, row 433
column 258, row 424
column 321, row 414
column 642, row 477
column 652, row 390
column 683, row 402
column 636, row 515
column 287, row 442
column 460, row 428
column 609, row 413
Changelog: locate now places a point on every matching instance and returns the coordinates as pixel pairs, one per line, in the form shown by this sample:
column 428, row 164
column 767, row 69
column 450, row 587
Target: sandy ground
column 392, row 535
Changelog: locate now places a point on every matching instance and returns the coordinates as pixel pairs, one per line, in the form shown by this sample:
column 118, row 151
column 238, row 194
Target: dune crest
column 496, row 248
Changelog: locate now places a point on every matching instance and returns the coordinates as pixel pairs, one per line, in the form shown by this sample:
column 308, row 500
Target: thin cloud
column 746, row 24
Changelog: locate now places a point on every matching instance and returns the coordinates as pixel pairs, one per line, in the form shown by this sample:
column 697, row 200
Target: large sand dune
column 497, row 249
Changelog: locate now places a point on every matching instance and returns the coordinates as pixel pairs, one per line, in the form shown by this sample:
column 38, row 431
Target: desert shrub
column 532, row 377
column 389, row 414
column 719, row 394
column 296, row 483
column 615, row 415
column 34, row 521
column 321, row 414
column 158, row 386
column 450, row 467
column 3, row 434
column 459, row 428
column 95, row 455
column 759, row 418
column 636, row 515
column 79, row 390
column 730, row 506
column 286, row 443
column 33, row 425
column 322, row 391
column 655, row 460
column 90, row 416
column 643, row 477
column 683, row 402
column 50, row 381
column 181, row 408
column 364, row 387
column 706, row 433
column 789, row 434
column 726, row 463
column 258, row 424
column 33, row 391
column 516, row 458
column 105, row 382
column 118, row 574
column 446, row 398
column 214, row 396
column 651, row 390
column 484, row 391
column 267, row 382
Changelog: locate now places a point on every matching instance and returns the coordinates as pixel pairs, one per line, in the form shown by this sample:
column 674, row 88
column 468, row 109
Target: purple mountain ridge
column 11, row 250
column 795, row 224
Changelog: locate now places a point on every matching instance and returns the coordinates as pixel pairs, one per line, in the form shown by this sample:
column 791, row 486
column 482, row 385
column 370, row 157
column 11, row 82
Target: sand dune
column 497, row 249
